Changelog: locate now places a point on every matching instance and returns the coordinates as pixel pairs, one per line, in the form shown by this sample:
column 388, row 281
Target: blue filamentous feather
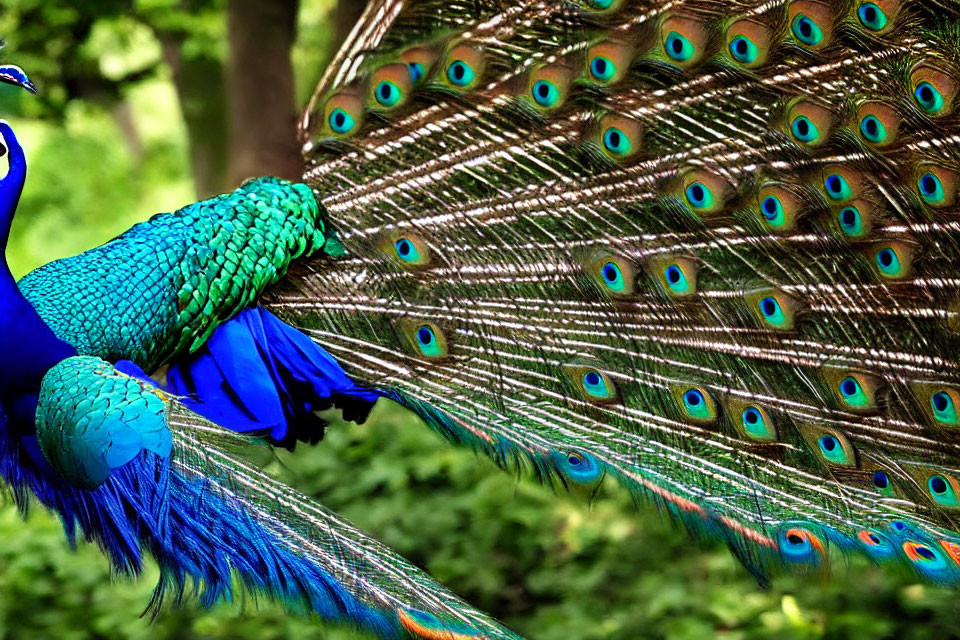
column 707, row 250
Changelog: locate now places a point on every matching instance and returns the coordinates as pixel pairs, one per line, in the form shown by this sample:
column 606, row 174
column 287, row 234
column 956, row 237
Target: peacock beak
column 12, row 74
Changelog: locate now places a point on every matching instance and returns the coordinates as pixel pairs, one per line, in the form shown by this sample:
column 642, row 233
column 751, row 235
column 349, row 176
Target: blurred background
column 146, row 105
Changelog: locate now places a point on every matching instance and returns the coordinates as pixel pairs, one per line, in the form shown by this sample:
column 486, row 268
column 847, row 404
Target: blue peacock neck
column 28, row 348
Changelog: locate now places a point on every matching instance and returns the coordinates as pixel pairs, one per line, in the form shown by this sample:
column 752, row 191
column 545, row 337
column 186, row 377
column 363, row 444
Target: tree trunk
column 263, row 115
column 199, row 82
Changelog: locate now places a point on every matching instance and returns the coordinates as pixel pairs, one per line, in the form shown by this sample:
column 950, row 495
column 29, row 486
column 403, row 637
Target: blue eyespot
column 931, row 189
column 676, row 280
column 595, row 385
column 888, row 262
column 613, row 277
column 600, row 4
column 699, row 196
column 804, row 130
column 871, row 16
column 545, row 93
column 880, row 480
column 388, row 94
column 756, row 423
column 743, row 50
column 678, row 48
column 851, row 223
column 460, row 74
column 944, row 408
column 928, row 98
column 578, row 467
column 837, row 187
column 602, row 68
column 873, row 130
column 406, row 250
column 416, row 71
column 806, row 30
column 771, row 311
column 340, row 121
column 616, row 142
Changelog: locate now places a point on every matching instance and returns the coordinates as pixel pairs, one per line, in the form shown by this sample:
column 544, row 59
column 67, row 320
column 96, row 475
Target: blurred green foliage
column 549, row 566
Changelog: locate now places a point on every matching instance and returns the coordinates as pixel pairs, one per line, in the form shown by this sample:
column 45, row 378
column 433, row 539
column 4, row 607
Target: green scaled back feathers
column 169, row 282
column 708, row 249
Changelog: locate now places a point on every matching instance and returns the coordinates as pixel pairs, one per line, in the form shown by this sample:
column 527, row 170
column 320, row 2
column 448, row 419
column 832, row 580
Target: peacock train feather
column 706, row 249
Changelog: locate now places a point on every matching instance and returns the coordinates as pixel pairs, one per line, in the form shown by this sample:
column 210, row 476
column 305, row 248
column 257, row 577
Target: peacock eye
column 340, row 121
column 595, row 385
column 804, row 130
column 416, row 71
column 881, row 481
column 871, row 16
column 460, row 74
column 697, row 405
column 603, row 69
column 806, row 30
column 545, row 93
column 676, row 280
column 406, row 250
column 944, row 408
column 387, row 93
column 943, row 490
column 837, row 187
column 743, row 50
column 427, row 339
column 851, row 222
column 772, row 210
column 578, row 467
column 613, row 277
column 756, row 423
column 698, row 196
column 927, row 96
column 831, row 449
column 852, row 393
column 831, row 446
column 600, row 4
column 678, row 47
column 930, row 188
column 616, row 142
column 873, row 130
column 771, row 311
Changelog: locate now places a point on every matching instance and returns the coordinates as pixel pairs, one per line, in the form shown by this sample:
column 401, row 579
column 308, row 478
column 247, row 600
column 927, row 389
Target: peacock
column 704, row 249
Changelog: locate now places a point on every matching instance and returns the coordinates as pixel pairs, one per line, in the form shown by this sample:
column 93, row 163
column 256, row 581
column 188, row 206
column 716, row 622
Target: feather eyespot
column 704, row 193
column 810, row 124
column 882, row 483
column 944, row 490
column 779, row 208
column 419, row 61
column 856, row 391
column 893, row 260
column 677, row 276
column 406, row 249
column 879, row 124
column 619, row 136
column 549, row 86
column 615, row 274
column 578, row 467
column 343, row 114
column 774, row 309
column 748, row 43
column 841, row 184
column 602, row 5
column 811, row 23
column 390, row 86
column 934, row 91
column 426, row 339
column 875, row 544
column 851, row 221
column 608, row 62
column 756, row 423
column 924, row 556
column 872, row 16
column 800, row 546
column 696, row 404
column 936, row 186
column 464, row 67
column 592, row 383
column 683, row 40
column 943, row 405
column 831, row 446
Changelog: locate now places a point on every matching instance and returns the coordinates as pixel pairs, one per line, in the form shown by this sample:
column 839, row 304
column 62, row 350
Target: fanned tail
column 707, row 248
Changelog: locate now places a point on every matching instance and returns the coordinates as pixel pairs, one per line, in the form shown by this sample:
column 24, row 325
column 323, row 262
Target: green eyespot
column 406, row 250
column 678, row 48
column 830, row 445
column 600, row 4
column 340, row 121
column 743, row 50
column 774, row 309
column 616, row 142
column 852, row 393
column 677, row 275
column 696, row 403
column 804, row 130
column 837, row 187
column 676, row 280
column 698, row 196
column 943, row 490
column 871, row 16
column 772, row 210
column 855, row 391
column 778, row 207
column 424, row 338
column 881, row 481
column 930, row 188
column 427, row 339
column 591, row 383
column 888, row 262
column 460, row 74
column 387, row 93
column 928, row 98
column 851, row 222
column 806, row 30
column 771, row 311
column 944, row 408
column 416, row 71
column 832, row 450
column 756, row 423
column 613, row 277
column 545, row 93
column 893, row 259
column 873, row 130
column 602, row 69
